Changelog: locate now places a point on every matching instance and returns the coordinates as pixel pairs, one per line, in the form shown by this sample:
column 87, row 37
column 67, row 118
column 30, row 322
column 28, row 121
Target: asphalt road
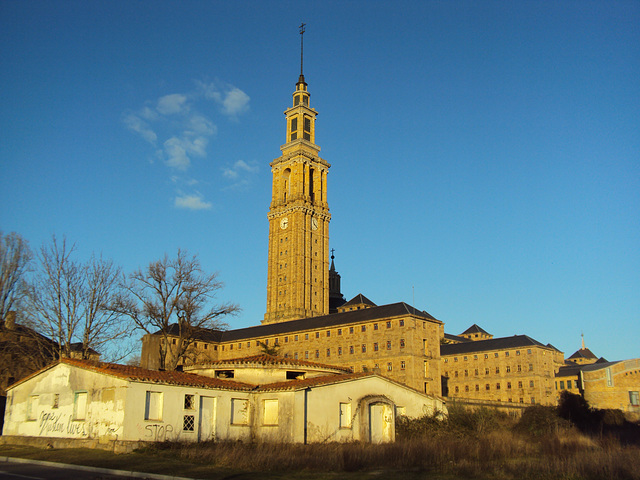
column 29, row 471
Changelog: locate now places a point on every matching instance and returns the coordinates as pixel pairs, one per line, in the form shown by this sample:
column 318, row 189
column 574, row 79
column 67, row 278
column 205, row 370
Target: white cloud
column 172, row 104
column 235, row 102
column 201, row 125
column 192, row 202
column 176, row 154
column 136, row 124
column 239, row 167
column 232, row 100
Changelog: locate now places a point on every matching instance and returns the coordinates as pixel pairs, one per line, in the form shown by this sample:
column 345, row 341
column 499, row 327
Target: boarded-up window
column 80, row 406
column 32, row 407
column 345, row 415
column 270, row 416
column 153, row 406
column 239, row 411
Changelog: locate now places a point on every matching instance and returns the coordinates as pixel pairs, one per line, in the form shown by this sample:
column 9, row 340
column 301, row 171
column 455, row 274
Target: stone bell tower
column 298, row 269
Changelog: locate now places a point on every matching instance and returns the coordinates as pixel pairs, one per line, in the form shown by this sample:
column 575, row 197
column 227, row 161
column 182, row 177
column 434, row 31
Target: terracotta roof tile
column 265, row 359
column 128, row 372
column 312, row 382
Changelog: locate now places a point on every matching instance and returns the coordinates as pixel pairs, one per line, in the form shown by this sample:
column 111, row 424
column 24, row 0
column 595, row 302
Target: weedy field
column 571, row 442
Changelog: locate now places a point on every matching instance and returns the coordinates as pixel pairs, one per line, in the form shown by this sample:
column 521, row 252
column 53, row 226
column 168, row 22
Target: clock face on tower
column 314, row 223
column 284, row 223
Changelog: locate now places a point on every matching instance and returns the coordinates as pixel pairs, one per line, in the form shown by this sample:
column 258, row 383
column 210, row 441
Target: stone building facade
column 397, row 340
column 514, row 369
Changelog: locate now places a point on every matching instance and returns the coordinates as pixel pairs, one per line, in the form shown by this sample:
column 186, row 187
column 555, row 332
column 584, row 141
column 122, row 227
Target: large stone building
column 307, row 318
column 515, row 369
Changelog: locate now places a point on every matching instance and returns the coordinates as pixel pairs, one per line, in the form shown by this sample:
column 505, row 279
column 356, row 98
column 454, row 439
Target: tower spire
column 302, row 25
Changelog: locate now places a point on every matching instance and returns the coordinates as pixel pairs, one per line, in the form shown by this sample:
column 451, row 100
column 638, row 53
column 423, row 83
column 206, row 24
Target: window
column 389, row 366
column 495, row 355
column 402, row 343
column 364, row 348
column 375, row 347
column 363, row 328
column 531, row 367
column 506, row 354
column 345, row 415
column 497, row 386
column 475, row 357
column 388, row 324
column 402, row 323
column 531, row 383
column 351, row 350
column 517, row 353
column 388, row 344
column 339, row 350
column 239, row 411
column 486, row 371
column 607, row 372
column 402, row 365
column 475, row 372
column 477, row 387
column 32, row 407
column 561, row 384
column 519, row 368
column 375, row 326
column 455, row 374
column 508, row 385
column 189, row 423
column 455, row 359
column 569, row 384
column 466, row 388
column 295, row 338
column 457, row 389
column 519, row 384
column 153, row 406
column 497, row 369
column 328, row 333
column 295, row 355
column 80, row 405
column 487, row 387
column 189, row 401
column 486, row 355
column 306, row 336
column 317, row 353
column 270, row 412
column 634, row 398
column 350, row 329
column 306, row 354
column 317, row 334
column 508, row 368
column 466, row 373
column 529, row 351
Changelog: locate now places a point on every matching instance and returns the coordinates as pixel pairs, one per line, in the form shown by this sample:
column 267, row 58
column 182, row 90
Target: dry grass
column 499, row 454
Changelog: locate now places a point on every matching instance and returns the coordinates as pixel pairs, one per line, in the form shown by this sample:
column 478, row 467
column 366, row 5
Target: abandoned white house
column 254, row 398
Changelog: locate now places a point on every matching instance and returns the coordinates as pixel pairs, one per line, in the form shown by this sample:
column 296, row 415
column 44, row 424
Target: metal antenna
column 301, row 44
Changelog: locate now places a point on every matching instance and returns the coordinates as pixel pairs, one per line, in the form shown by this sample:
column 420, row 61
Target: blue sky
column 485, row 155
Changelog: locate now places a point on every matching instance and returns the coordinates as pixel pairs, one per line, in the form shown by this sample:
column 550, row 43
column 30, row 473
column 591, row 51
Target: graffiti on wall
column 158, row 432
column 55, row 423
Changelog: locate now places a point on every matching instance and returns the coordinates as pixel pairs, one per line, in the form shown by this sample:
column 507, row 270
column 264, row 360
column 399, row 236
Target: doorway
column 207, row 423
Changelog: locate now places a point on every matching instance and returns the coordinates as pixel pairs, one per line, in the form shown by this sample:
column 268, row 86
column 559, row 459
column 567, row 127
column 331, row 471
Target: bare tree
column 68, row 301
column 15, row 263
column 172, row 298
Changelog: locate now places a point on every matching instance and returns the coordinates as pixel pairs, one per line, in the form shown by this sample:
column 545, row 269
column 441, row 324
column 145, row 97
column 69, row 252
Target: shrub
column 539, row 420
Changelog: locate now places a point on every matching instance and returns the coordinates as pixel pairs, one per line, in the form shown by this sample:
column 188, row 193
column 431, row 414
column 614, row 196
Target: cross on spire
column 302, row 25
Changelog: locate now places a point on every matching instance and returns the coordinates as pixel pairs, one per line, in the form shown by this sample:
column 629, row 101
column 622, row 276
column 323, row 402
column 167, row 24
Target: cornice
column 322, row 213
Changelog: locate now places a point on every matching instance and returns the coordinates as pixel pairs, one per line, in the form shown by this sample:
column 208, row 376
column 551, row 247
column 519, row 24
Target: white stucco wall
column 33, row 410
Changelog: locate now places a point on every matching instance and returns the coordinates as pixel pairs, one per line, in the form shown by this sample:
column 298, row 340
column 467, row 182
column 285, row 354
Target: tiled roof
column 584, row 353
column 324, row 321
column 456, row 338
column 491, row 344
column 265, row 359
column 312, row 382
column 359, row 300
column 475, row 329
column 128, row 372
